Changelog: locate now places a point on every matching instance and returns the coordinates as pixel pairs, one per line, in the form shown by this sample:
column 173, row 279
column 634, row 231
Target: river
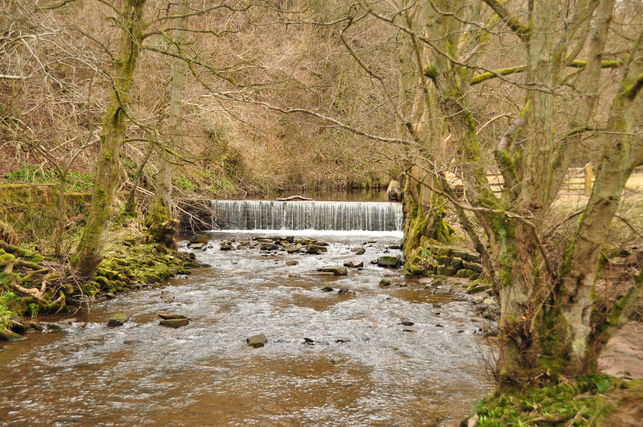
column 359, row 367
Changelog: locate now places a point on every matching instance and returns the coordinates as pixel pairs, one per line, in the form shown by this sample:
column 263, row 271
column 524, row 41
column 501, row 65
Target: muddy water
column 363, row 368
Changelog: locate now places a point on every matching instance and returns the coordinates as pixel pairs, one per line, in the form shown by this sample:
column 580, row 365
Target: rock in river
column 388, row 261
column 173, row 320
column 337, row 270
column 174, row 323
column 257, row 341
column 117, row 320
column 353, row 264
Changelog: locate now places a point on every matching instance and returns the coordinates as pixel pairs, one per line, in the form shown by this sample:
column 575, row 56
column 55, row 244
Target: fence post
column 589, row 177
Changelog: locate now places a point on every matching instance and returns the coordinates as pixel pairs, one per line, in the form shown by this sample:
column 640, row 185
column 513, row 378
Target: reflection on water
column 360, row 366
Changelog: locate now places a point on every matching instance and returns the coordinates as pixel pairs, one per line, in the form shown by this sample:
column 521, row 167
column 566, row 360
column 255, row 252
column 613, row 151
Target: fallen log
column 291, row 198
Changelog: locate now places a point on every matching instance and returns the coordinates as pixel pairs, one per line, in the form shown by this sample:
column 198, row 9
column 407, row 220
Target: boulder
column 117, row 319
column 337, row 270
column 388, row 261
column 225, row 246
column 358, row 251
column 292, row 262
column 257, row 341
column 327, row 289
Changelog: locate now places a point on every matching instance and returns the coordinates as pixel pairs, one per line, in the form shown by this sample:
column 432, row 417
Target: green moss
column 35, row 174
column 584, row 402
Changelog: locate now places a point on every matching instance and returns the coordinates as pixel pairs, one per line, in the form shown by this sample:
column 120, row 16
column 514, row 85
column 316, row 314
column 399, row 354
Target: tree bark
column 90, row 249
column 160, row 222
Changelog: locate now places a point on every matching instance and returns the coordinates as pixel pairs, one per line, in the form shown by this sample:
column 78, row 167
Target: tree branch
column 520, row 68
column 521, row 30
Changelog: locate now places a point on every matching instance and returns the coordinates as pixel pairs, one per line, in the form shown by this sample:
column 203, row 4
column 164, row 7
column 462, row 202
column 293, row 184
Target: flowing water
column 306, row 215
column 362, row 367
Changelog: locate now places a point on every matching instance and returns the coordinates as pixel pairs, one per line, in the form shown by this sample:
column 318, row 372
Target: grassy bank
column 590, row 401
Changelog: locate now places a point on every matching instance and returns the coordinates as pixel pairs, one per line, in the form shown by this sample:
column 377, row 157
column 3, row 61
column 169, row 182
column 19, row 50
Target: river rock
column 344, row 291
column 9, row 335
column 257, row 341
column 388, row 261
column 269, row 247
column 169, row 316
column 291, row 249
column 129, row 341
column 292, row 262
column 337, row 270
column 117, row 319
column 316, row 249
column 173, row 320
column 406, row 323
column 197, row 246
column 352, row 264
column 225, row 246
column 358, row 251
column 385, row 283
column 327, row 289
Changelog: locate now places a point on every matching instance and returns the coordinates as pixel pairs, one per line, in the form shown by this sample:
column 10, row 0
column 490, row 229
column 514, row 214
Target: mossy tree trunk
column 545, row 294
column 547, row 304
column 161, row 224
column 90, row 249
column 437, row 81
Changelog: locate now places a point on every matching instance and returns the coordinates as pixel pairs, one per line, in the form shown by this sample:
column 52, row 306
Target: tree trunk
column 90, row 249
column 160, row 222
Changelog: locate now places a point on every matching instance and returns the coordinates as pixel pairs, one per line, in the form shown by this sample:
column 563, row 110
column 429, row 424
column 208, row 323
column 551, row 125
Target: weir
column 306, row 215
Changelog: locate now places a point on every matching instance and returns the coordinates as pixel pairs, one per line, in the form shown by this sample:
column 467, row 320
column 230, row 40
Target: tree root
column 29, row 279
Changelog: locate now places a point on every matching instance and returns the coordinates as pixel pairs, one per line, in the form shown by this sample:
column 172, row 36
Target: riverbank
column 594, row 400
column 32, row 283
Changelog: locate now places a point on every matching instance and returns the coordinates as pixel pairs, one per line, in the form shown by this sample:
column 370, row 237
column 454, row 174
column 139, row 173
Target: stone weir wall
column 200, row 215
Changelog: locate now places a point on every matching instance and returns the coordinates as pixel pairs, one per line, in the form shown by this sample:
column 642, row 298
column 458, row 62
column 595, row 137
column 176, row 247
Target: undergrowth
column 584, row 402
column 35, row 174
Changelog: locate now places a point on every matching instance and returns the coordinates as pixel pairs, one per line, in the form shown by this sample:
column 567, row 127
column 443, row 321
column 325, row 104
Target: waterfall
column 305, row 215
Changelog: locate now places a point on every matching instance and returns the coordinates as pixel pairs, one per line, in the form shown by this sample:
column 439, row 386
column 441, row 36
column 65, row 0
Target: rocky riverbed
column 266, row 336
